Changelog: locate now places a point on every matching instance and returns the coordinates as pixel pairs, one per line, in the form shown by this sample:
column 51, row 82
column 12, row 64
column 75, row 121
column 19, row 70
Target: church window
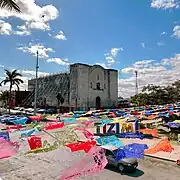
column 91, row 85
column 98, row 86
column 98, row 77
column 104, row 86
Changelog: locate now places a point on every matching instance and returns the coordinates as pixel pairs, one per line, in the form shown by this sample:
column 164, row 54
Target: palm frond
column 8, row 74
column 17, row 85
column 18, row 80
column 15, row 73
column 10, row 4
column 5, row 81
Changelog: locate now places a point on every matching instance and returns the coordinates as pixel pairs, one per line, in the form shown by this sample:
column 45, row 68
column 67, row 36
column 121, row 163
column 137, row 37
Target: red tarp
column 53, row 125
column 86, row 146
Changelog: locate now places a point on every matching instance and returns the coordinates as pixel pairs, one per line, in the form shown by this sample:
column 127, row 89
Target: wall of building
column 114, row 87
column 49, row 87
column 86, row 90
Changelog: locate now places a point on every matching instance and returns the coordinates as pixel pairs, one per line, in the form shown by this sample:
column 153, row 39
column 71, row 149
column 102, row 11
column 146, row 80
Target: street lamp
column 36, row 83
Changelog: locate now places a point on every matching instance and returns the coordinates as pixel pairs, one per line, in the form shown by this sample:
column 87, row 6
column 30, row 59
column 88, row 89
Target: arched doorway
column 98, row 102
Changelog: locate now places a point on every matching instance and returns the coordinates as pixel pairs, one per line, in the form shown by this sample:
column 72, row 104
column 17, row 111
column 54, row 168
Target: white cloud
column 176, row 32
column 143, row 62
column 165, row 4
column 110, row 57
column 22, row 31
column 1, row 66
column 115, row 51
column 103, row 65
column 5, row 28
column 164, row 33
column 34, row 16
column 31, row 73
column 58, row 61
column 164, row 72
column 160, row 43
column 143, row 45
column 61, row 36
column 32, row 49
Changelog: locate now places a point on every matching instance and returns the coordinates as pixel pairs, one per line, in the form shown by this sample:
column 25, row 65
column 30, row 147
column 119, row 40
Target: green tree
column 13, row 79
column 158, row 95
column 9, row 4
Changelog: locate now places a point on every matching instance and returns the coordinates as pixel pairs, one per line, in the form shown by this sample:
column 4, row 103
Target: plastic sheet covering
column 131, row 135
column 104, row 122
column 163, row 145
column 86, row 133
column 14, row 127
column 35, row 118
column 131, row 151
column 27, row 133
column 66, row 136
column 151, row 117
column 87, row 124
column 93, row 162
column 69, row 120
column 173, row 125
column 7, row 148
column 19, row 121
column 5, row 135
column 110, row 140
column 51, row 126
column 34, row 142
column 86, row 146
column 153, row 132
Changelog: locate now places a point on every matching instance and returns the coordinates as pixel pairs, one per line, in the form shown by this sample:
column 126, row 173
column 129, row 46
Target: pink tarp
column 93, row 162
column 7, row 149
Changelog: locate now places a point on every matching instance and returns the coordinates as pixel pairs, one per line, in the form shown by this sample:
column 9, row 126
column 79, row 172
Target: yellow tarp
column 83, row 119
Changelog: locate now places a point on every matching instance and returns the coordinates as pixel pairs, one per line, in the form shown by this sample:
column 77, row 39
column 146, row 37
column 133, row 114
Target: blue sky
column 127, row 35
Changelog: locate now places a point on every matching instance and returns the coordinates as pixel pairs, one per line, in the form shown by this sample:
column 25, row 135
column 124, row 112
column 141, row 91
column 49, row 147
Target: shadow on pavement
column 138, row 172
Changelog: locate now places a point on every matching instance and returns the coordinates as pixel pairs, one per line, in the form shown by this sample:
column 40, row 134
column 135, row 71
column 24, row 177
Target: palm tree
column 12, row 79
column 10, row 4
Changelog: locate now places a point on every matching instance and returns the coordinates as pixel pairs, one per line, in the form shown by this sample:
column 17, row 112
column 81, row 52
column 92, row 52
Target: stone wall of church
column 88, row 83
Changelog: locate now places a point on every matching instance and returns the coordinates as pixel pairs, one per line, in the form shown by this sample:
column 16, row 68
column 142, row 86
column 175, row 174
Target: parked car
column 123, row 165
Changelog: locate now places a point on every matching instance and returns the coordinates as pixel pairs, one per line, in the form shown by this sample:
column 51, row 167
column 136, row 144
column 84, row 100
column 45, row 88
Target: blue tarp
column 68, row 120
column 77, row 115
column 5, row 135
column 173, row 125
column 110, row 140
column 19, row 121
column 131, row 135
column 27, row 133
column 103, row 121
column 131, row 151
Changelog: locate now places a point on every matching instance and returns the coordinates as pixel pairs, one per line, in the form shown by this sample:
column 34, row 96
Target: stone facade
column 93, row 86
column 84, row 86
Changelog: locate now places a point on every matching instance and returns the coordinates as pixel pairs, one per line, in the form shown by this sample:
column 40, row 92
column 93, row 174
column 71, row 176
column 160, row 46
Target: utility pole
column 136, row 90
column 36, row 83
